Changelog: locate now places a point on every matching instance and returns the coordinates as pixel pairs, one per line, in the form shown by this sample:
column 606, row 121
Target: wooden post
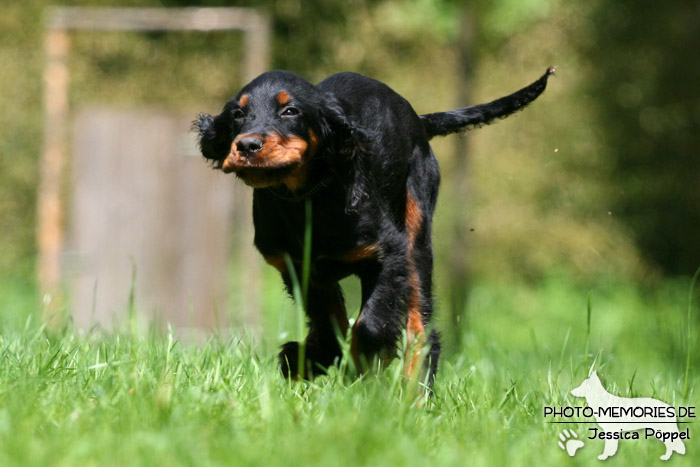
column 61, row 20
column 257, row 58
column 257, row 45
column 50, row 214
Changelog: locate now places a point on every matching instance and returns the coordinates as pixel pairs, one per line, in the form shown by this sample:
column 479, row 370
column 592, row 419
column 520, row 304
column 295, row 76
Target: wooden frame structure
column 59, row 21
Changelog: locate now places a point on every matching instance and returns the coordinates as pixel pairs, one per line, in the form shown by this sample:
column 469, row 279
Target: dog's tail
column 445, row 123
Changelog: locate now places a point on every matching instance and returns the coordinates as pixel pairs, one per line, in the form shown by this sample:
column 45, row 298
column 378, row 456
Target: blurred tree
column 542, row 195
column 305, row 33
column 611, row 139
column 647, row 72
column 459, row 280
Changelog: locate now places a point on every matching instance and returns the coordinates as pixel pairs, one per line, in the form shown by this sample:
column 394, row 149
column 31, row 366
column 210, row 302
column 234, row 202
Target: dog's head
column 271, row 130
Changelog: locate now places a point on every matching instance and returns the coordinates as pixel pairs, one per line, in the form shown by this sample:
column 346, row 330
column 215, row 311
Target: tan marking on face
column 297, row 178
column 283, row 98
column 243, row 101
column 279, row 151
column 276, row 153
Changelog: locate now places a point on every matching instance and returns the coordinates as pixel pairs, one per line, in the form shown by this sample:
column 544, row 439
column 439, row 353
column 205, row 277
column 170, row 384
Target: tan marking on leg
column 415, row 330
column 412, row 219
column 277, row 261
column 359, row 253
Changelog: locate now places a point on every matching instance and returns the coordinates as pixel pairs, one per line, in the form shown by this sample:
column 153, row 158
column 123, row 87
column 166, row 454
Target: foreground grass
column 68, row 398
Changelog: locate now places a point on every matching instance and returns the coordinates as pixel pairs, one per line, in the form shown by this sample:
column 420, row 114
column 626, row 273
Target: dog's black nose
column 249, row 145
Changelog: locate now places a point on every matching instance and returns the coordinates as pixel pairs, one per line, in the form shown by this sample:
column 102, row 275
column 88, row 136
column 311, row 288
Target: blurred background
column 595, row 188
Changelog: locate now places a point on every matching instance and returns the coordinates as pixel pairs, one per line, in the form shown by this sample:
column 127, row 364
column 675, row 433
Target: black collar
column 304, row 195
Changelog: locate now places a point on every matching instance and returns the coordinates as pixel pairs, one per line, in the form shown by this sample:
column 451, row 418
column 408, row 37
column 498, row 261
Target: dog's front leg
column 377, row 330
column 327, row 322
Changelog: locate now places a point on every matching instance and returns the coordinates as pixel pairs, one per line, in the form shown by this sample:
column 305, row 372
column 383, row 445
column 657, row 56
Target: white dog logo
column 608, row 407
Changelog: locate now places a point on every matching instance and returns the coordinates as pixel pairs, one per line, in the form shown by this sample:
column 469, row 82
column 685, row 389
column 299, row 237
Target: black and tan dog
column 359, row 153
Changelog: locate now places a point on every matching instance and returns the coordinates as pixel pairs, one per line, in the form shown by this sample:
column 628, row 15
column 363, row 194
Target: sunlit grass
column 149, row 398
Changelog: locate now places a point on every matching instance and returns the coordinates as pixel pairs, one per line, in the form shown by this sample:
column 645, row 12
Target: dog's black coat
column 359, row 153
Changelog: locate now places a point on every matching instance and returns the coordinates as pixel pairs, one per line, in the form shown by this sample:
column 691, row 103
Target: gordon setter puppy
column 358, row 153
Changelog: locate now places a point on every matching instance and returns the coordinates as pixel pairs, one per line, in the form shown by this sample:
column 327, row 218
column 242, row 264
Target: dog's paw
column 289, row 360
column 569, row 443
column 317, row 358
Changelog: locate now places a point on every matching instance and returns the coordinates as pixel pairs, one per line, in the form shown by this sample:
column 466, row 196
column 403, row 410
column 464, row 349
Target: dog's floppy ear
column 214, row 137
column 344, row 136
column 347, row 143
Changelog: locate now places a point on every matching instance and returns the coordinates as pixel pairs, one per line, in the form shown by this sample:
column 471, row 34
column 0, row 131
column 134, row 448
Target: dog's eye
column 289, row 112
column 238, row 114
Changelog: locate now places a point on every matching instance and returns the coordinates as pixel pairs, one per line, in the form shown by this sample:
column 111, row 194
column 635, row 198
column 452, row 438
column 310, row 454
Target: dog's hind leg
column 421, row 196
column 423, row 342
column 432, row 358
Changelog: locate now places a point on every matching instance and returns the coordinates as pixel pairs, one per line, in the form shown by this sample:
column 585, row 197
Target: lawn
column 149, row 398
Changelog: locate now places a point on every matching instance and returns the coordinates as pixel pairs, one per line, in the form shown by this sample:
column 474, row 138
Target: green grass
column 69, row 398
